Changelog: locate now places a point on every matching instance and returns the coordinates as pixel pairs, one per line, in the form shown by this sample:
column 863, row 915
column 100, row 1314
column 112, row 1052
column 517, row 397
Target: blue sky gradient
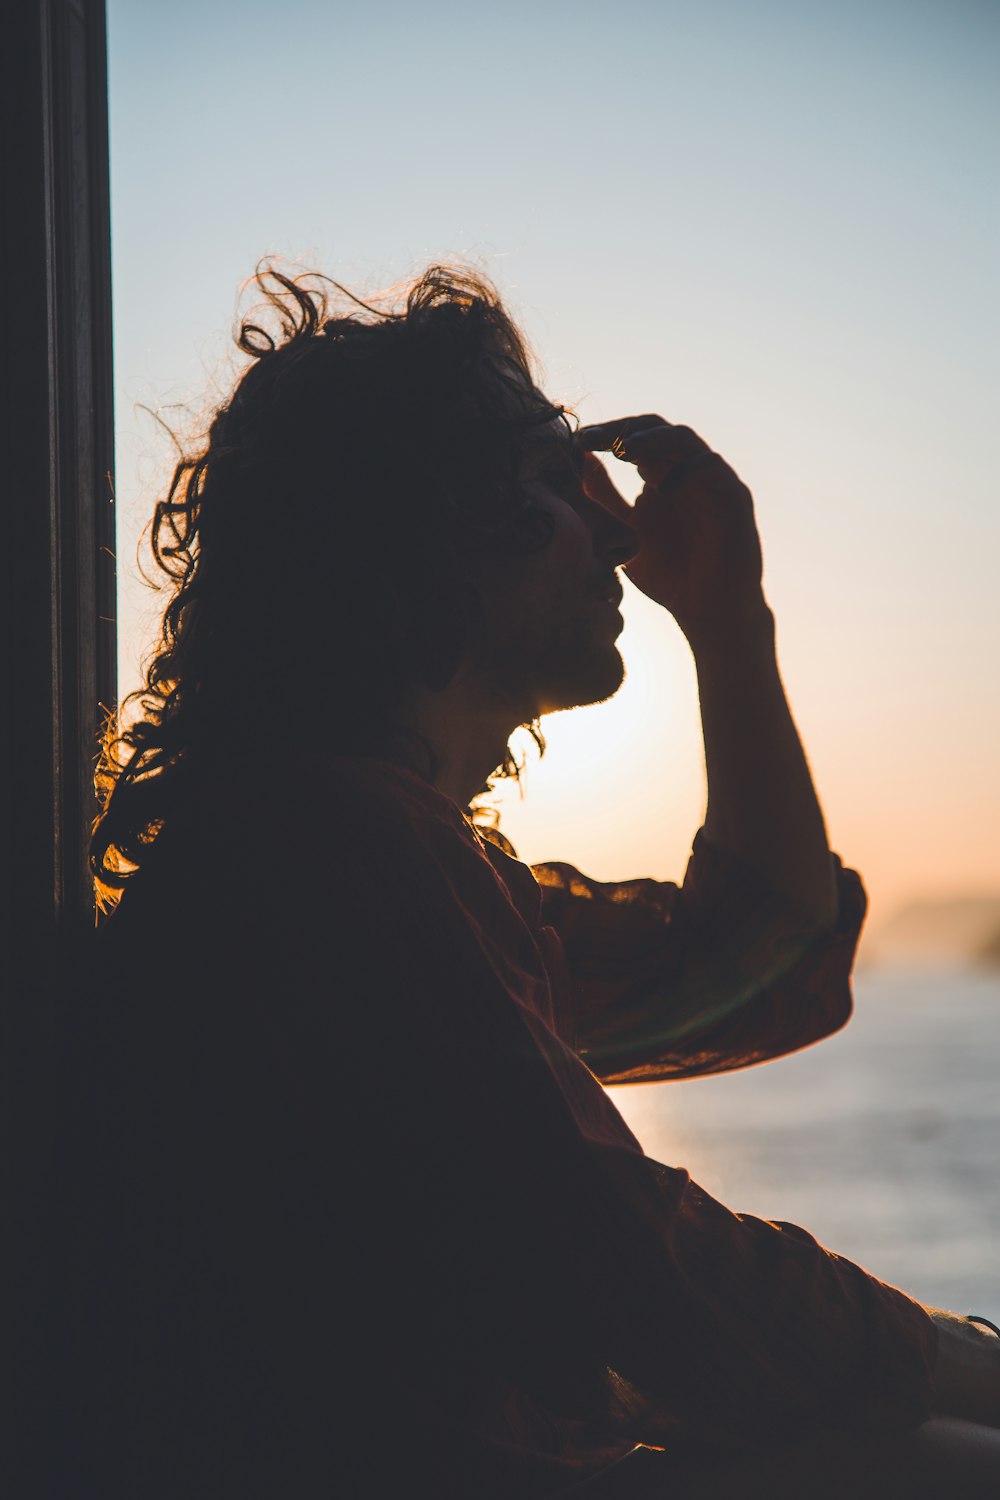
column 777, row 222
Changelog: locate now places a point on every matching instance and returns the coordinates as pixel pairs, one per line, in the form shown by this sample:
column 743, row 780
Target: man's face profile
column 552, row 615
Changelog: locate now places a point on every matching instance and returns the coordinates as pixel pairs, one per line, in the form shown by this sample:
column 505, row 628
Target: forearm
column 762, row 805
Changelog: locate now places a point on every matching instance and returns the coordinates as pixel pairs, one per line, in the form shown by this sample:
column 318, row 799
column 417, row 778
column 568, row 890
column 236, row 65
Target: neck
column 467, row 730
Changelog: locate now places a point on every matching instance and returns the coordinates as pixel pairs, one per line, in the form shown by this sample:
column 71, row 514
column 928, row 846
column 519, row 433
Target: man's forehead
column 554, row 438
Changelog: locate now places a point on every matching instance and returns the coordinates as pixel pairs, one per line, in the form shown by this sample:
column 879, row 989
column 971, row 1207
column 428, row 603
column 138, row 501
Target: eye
column 531, row 530
column 564, row 480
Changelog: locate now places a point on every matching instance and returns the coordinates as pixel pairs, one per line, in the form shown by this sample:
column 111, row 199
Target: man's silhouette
column 349, row 1211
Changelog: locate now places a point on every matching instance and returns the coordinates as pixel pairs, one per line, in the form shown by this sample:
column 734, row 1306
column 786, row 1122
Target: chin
column 589, row 681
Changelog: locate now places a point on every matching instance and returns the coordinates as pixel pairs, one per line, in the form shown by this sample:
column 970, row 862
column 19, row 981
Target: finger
column 654, row 450
column 598, row 486
column 601, row 435
column 670, row 437
column 669, row 477
column 649, row 442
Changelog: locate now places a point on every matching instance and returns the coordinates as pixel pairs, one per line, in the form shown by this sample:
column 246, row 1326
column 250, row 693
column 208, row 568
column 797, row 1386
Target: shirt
column 365, row 1213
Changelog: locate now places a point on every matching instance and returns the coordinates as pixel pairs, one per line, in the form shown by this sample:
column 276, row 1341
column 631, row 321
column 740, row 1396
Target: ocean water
column 883, row 1141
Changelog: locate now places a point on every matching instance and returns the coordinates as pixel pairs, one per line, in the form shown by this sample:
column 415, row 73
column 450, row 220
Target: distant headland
column 958, row 932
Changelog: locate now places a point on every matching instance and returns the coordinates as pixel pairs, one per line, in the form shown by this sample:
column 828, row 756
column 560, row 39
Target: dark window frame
column 59, row 621
column 58, row 645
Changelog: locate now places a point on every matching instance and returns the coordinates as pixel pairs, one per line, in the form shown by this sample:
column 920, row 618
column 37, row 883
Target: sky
column 776, row 222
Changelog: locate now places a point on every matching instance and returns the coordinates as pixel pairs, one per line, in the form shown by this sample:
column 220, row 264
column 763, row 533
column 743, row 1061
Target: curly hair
column 318, row 539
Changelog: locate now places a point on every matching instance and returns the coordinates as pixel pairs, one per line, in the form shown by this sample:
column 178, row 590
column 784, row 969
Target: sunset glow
column 774, row 223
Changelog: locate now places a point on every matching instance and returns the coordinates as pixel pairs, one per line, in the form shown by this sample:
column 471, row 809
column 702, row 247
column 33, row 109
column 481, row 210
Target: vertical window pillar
column 57, row 600
column 57, row 642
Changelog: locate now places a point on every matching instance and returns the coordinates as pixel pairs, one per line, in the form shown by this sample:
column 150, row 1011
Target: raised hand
column 699, row 553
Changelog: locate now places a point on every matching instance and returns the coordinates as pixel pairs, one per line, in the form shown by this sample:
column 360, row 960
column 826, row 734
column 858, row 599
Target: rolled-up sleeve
column 718, row 973
column 768, row 1331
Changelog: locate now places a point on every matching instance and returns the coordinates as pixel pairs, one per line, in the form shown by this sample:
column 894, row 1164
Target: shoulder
column 313, row 804
column 338, row 823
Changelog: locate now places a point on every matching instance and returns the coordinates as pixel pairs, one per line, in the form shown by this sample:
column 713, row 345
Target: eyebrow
column 550, row 447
